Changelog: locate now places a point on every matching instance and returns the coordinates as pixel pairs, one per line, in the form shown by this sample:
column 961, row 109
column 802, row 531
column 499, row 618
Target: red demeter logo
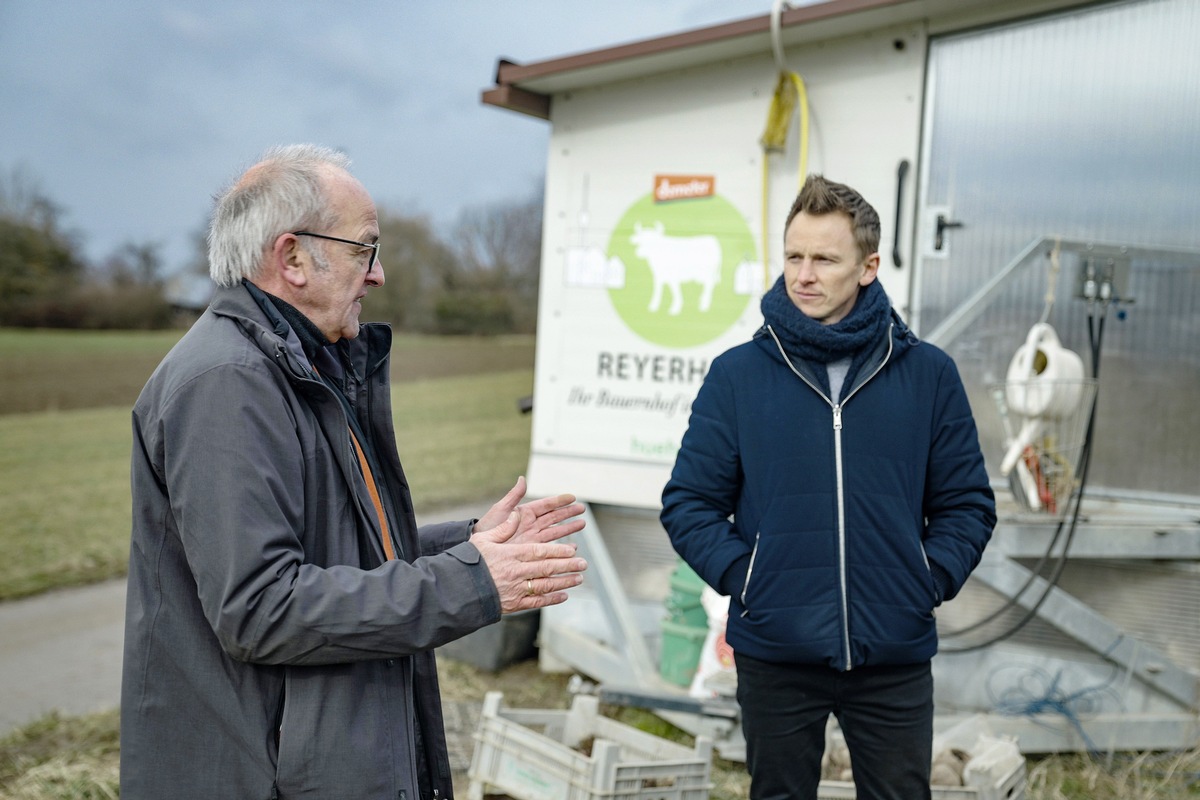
column 683, row 187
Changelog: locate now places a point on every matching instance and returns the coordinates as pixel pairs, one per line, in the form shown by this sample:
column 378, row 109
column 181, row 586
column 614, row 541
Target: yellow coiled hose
column 789, row 96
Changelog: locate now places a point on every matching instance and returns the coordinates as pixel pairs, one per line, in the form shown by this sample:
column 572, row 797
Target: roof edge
column 509, row 73
column 514, row 98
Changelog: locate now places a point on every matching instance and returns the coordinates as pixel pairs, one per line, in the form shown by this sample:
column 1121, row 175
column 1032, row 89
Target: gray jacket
column 270, row 652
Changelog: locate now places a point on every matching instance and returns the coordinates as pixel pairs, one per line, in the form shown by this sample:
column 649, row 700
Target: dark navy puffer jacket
column 836, row 528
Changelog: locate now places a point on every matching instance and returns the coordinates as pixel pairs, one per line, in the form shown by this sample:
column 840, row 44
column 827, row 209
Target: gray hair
column 283, row 192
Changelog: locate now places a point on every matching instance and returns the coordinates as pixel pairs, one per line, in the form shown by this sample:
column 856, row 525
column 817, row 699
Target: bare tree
column 500, row 249
column 417, row 267
column 133, row 264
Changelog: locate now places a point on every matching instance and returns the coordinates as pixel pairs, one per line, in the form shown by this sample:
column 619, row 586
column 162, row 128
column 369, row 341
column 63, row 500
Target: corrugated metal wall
column 1085, row 126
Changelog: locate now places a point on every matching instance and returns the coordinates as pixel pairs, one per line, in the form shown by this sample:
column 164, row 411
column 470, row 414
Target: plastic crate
column 1011, row 787
column 530, row 754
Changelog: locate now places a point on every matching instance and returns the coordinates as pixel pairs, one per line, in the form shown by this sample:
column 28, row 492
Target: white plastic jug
column 1044, row 378
column 1044, row 382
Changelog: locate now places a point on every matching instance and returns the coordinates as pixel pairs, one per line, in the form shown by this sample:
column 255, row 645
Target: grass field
column 49, row 370
column 65, row 439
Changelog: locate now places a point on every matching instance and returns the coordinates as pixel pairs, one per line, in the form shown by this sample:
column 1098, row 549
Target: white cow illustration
column 676, row 260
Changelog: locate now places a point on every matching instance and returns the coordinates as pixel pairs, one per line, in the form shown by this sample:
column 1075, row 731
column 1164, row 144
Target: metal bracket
column 1116, row 273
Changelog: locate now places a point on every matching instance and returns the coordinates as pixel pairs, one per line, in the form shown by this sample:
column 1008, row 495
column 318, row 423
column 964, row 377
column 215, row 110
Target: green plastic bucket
column 679, row 655
column 683, row 603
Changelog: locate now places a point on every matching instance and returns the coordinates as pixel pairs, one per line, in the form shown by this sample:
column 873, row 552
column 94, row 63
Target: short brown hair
column 819, row 196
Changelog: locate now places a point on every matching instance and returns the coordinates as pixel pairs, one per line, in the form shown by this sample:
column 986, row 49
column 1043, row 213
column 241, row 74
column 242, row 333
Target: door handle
column 939, row 238
column 901, row 173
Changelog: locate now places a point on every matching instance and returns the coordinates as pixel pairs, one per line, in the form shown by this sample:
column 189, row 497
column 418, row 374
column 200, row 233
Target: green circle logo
column 690, row 267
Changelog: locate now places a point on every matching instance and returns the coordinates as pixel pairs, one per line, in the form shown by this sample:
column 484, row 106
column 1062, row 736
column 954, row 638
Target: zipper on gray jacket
column 412, row 718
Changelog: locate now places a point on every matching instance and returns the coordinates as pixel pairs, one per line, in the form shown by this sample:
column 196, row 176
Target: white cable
column 1052, row 279
column 777, row 8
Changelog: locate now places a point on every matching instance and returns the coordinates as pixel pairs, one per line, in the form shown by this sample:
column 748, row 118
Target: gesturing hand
column 530, row 568
column 540, row 519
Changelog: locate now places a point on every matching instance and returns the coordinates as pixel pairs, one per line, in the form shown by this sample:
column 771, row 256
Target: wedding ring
column 529, row 586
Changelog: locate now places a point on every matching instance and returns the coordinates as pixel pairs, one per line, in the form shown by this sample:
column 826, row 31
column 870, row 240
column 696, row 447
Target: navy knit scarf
column 852, row 336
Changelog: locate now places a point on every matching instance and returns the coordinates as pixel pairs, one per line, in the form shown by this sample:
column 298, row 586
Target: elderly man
column 283, row 606
column 831, row 483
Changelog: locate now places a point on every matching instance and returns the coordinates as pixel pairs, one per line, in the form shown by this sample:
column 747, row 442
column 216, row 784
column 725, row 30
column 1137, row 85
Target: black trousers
column 885, row 713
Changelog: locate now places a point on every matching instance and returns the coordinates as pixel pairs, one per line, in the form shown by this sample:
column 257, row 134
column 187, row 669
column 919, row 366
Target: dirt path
column 61, row 650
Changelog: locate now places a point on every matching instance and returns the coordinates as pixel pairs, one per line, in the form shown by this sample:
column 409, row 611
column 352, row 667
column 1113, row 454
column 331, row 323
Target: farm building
column 1035, row 164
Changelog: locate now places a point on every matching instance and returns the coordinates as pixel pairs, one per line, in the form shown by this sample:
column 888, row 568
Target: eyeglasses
column 374, row 247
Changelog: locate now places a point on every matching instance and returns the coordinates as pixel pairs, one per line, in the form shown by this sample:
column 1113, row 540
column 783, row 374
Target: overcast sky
column 130, row 114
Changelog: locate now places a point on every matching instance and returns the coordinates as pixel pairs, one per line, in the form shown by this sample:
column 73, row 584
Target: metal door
column 1045, row 138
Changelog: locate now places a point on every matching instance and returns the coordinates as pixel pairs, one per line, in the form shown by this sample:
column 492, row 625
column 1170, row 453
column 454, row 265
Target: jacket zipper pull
column 837, row 417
